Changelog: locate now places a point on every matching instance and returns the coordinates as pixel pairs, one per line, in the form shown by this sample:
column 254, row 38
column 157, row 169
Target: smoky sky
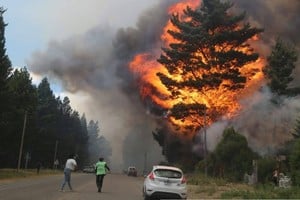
column 277, row 17
column 96, row 63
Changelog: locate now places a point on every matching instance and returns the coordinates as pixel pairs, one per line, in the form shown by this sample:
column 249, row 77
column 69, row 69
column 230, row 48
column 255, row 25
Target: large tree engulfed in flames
column 208, row 63
column 206, row 67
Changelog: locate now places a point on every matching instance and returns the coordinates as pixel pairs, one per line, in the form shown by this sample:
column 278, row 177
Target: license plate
column 167, row 183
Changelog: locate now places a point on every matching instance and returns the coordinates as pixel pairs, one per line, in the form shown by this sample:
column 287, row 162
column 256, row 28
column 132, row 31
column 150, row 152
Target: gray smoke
column 95, row 65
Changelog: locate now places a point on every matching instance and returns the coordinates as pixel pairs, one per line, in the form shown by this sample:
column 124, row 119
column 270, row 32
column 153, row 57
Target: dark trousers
column 99, row 181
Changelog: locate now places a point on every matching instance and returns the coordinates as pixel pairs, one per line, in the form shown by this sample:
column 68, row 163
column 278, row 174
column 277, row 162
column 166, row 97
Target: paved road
column 116, row 186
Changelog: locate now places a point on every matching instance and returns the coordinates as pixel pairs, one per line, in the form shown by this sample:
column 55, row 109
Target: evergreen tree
column 278, row 72
column 93, row 148
column 24, row 92
column 84, row 140
column 78, row 139
column 84, row 125
column 47, row 123
column 206, row 55
column 66, row 107
column 294, row 160
column 5, row 72
column 232, row 156
column 24, row 100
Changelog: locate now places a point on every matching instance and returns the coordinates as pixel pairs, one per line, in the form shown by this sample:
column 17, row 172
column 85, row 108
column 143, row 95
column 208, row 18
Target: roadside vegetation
column 203, row 187
column 9, row 174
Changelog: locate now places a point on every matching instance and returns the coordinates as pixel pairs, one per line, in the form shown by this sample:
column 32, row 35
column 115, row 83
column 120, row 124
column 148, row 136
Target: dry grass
column 201, row 187
column 214, row 191
column 10, row 174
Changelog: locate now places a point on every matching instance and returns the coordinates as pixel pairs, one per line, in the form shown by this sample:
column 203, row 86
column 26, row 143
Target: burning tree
column 207, row 63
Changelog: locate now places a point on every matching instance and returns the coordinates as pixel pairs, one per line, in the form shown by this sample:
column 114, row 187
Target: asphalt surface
column 115, row 187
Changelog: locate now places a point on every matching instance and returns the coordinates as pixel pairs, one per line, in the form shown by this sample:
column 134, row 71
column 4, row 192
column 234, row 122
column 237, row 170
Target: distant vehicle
column 132, row 171
column 89, row 169
column 165, row 182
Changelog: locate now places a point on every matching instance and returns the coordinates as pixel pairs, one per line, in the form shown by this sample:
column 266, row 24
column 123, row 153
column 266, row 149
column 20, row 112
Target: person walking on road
column 70, row 166
column 100, row 169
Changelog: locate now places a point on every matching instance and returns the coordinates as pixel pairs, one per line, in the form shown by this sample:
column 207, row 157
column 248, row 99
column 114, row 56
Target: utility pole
column 22, row 141
column 55, row 152
column 27, row 158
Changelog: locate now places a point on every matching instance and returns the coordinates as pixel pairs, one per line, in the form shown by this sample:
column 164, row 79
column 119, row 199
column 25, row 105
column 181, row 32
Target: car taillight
column 183, row 180
column 151, row 176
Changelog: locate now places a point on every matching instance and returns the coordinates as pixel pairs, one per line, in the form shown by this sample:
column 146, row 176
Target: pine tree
column 24, row 100
column 278, row 72
column 294, row 160
column 5, row 72
column 207, row 56
column 233, row 154
column 98, row 145
column 25, row 94
column 6, row 97
column 47, row 123
column 93, row 148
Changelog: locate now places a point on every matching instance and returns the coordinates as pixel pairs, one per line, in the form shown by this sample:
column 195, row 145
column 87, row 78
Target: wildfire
column 221, row 100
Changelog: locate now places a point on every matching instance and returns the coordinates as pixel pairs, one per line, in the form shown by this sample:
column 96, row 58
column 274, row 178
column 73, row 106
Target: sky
column 32, row 24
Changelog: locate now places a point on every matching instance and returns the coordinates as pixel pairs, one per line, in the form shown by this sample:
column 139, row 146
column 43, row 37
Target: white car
column 165, row 182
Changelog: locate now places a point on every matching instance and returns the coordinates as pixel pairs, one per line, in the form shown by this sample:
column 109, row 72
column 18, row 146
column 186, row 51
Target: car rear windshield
column 167, row 173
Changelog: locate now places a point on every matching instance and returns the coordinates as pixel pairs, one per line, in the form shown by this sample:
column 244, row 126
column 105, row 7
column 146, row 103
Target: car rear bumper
column 166, row 193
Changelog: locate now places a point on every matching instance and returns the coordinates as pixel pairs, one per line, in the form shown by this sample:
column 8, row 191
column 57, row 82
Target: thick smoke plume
column 96, row 65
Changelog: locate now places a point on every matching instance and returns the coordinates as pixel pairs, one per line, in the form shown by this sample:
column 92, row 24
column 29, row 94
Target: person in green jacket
column 100, row 169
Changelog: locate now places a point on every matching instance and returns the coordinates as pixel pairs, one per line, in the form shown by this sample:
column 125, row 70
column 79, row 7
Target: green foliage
column 232, row 157
column 281, row 64
column 5, row 72
column 264, row 192
column 24, row 99
column 266, row 167
column 294, row 160
column 25, row 94
column 200, row 179
column 206, row 55
column 5, row 64
column 13, row 174
column 205, row 187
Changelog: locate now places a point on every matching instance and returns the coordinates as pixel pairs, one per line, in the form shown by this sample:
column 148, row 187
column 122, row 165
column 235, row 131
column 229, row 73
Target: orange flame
column 221, row 100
